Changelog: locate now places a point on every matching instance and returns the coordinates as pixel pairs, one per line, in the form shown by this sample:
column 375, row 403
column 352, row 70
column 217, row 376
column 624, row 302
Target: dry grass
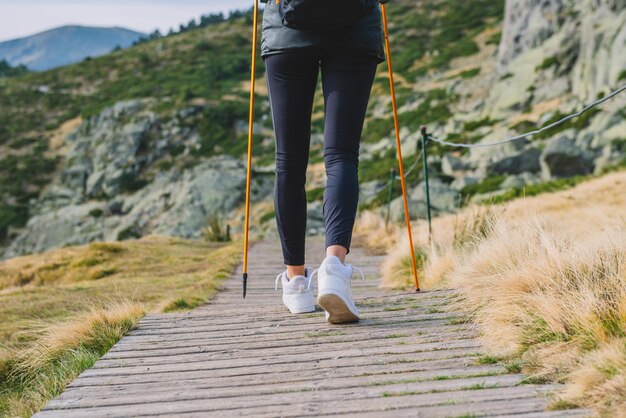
column 554, row 299
column 545, row 278
column 60, row 311
column 31, row 376
column 370, row 230
column 157, row 271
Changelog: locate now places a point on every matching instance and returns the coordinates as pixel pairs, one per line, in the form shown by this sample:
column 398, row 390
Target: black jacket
column 366, row 35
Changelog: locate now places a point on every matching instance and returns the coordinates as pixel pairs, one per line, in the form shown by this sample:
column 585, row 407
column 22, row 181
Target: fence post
column 426, row 184
column 392, row 178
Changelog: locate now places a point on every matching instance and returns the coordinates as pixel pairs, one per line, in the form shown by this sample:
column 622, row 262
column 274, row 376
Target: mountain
column 65, row 45
column 153, row 138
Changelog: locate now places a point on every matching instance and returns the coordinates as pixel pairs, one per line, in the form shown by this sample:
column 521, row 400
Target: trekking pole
column 249, row 168
column 426, row 185
column 398, row 143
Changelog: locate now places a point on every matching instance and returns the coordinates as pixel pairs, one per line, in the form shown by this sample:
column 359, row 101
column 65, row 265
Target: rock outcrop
column 108, row 190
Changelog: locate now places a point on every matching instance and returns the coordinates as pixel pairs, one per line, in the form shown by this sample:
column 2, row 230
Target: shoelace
column 302, row 290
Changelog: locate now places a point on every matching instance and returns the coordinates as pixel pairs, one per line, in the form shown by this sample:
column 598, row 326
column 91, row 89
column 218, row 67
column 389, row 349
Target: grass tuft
column 544, row 278
column 40, row 371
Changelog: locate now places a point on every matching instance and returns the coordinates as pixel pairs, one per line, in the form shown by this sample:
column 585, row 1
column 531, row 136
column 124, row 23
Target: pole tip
column 245, row 284
column 424, row 129
column 417, row 290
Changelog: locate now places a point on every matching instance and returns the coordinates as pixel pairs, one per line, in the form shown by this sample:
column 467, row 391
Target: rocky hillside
column 65, row 45
column 152, row 139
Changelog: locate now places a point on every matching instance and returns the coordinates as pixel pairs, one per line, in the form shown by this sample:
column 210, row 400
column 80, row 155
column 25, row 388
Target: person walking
column 343, row 40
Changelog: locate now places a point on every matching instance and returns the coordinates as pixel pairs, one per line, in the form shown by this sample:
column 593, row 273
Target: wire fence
column 407, row 173
column 537, row 131
column 428, row 137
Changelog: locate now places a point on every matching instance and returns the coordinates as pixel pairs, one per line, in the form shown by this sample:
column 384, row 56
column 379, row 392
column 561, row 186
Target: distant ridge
column 65, row 45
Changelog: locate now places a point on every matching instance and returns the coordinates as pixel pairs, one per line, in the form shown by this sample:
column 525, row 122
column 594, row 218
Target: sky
column 20, row 18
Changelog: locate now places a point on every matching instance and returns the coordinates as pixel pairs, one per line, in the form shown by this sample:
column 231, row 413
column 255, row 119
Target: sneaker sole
column 302, row 310
column 338, row 310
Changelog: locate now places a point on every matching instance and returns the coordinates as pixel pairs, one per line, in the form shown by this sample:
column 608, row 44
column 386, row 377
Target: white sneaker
column 297, row 292
column 334, row 294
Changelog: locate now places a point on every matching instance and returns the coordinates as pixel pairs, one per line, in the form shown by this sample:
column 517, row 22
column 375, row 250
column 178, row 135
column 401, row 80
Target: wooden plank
column 270, row 375
column 306, row 403
column 251, row 349
column 266, row 393
column 451, row 371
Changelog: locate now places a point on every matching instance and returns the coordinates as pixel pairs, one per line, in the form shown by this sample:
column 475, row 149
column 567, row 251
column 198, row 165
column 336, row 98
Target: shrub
column 131, row 232
column 96, row 213
column 470, row 73
column 215, row 232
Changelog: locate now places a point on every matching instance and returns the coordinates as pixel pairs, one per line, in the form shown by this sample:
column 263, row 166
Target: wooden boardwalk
column 233, row 357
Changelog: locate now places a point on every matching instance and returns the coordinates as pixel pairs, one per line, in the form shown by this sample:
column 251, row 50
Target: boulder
column 369, row 190
column 462, row 182
column 609, row 156
column 525, row 160
column 450, row 165
column 71, row 225
column 520, row 180
column 563, row 158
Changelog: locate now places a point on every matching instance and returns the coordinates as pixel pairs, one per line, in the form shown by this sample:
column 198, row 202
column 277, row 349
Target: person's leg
column 347, row 79
column 291, row 79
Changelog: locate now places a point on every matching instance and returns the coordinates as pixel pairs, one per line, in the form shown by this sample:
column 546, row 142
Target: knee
column 292, row 165
column 341, row 158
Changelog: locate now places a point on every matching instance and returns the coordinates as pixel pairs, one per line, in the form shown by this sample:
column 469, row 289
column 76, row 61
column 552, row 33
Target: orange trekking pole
column 249, row 168
column 398, row 143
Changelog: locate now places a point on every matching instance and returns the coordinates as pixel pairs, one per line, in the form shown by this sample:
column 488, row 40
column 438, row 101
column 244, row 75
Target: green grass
column 396, row 335
column 489, row 184
column 536, row 189
column 394, row 308
column 315, row 194
column 548, row 63
column 318, row 334
column 414, row 31
column 487, row 359
column 495, row 39
column 266, row 217
column 28, row 378
column 514, row 366
column 561, row 405
column 473, row 125
column 470, row 73
column 578, row 124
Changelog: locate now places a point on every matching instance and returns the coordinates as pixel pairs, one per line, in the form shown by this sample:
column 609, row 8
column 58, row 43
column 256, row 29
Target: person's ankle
column 293, row 271
column 338, row 251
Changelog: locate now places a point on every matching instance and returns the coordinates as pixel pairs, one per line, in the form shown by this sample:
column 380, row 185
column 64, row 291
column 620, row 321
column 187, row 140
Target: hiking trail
column 408, row 356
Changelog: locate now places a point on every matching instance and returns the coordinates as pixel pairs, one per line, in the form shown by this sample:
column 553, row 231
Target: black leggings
column 347, row 78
